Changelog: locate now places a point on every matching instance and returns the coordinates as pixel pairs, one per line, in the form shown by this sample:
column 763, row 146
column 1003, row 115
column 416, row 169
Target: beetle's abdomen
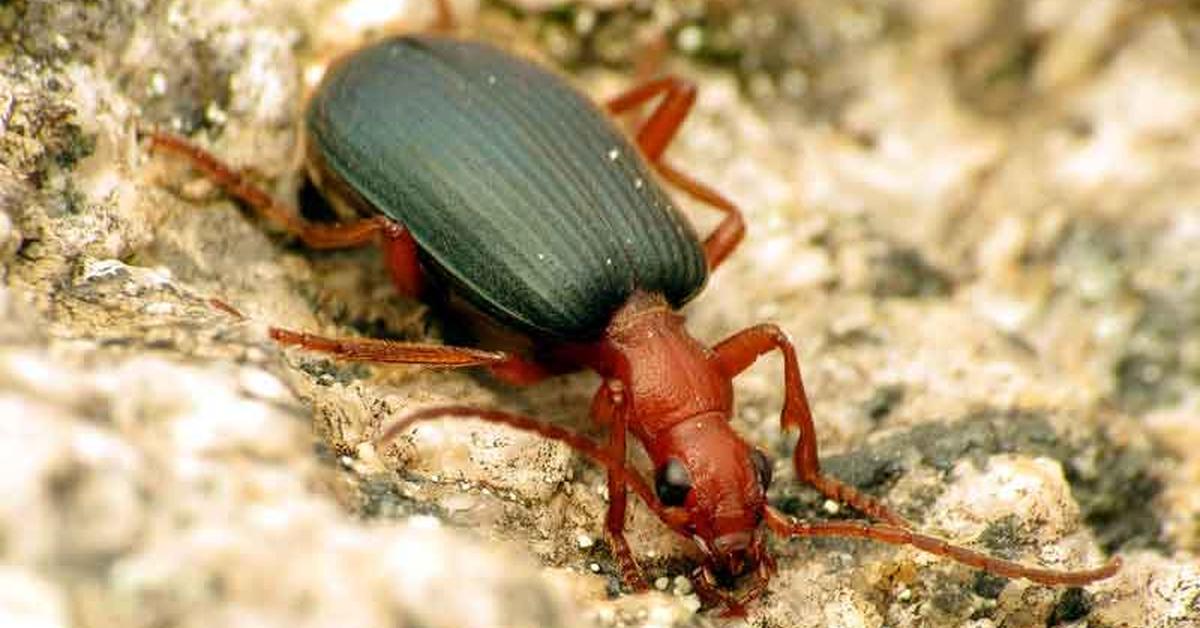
column 522, row 192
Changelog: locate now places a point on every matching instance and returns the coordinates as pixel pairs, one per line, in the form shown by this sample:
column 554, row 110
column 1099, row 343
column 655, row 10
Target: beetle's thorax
column 670, row 376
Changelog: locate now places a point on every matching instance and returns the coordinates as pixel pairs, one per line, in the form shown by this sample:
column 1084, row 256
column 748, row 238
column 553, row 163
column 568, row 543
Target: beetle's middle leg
column 735, row 354
column 678, row 96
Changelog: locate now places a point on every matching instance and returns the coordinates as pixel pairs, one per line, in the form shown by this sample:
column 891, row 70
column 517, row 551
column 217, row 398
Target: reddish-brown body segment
column 673, row 393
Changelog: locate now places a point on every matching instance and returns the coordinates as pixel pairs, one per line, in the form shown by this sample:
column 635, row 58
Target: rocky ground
column 979, row 219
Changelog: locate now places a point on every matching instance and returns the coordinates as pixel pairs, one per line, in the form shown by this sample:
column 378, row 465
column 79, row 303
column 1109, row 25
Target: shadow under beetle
column 485, row 177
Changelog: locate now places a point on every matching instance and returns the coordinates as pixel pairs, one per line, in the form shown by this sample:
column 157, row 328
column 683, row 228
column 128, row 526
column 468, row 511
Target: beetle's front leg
column 507, row 367
column 617, row 408
column 735, row 354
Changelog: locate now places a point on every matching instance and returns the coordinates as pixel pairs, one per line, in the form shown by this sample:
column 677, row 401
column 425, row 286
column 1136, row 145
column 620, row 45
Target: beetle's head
column 712, row 485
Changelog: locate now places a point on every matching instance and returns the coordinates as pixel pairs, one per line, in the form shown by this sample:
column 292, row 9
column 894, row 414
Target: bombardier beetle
column 493, row 185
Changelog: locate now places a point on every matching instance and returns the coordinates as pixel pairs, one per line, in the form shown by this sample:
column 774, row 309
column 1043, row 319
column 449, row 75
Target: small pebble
column 158, row 308
column 158, row 84
column 259, row 384
column 681, row 586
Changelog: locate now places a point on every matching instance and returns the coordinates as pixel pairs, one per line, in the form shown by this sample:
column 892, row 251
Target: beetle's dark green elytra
column 521, row 192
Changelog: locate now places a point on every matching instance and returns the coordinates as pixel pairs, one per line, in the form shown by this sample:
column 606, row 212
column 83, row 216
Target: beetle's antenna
column 886, row 533
column 553, row 432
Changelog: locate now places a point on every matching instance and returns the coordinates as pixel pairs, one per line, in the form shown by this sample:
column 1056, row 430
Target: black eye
column 762, row 467
column 672, row 483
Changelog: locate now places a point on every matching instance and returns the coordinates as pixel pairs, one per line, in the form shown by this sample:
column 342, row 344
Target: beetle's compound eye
column 672, row 483
column 762, row 468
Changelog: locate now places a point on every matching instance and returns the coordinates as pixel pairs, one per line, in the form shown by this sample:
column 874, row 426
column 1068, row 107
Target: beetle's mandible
column 486, row 177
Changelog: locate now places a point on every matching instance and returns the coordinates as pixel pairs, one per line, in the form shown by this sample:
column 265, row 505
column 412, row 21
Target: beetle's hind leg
column 678, row 96
column 399, row 248
column 281, row 215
